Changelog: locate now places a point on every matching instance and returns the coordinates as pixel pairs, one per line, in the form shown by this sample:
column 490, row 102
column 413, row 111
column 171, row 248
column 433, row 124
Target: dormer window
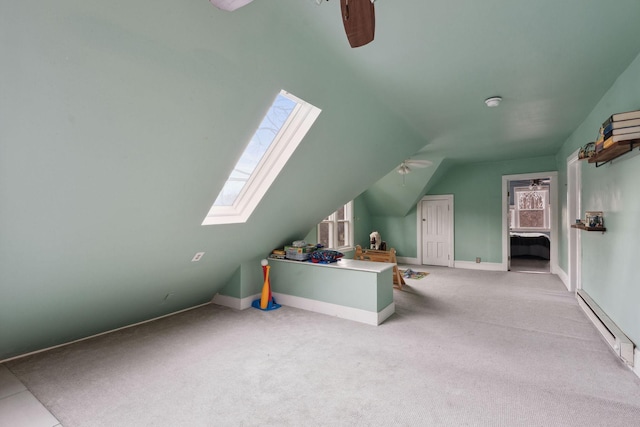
column 282, row 129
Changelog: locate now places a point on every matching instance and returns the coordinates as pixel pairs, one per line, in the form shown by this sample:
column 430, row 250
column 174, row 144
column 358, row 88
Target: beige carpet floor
column 465, row 348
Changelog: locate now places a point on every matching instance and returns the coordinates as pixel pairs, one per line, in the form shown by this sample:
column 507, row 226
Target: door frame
column 448, row 198
column 553, row 197
column 574, row 211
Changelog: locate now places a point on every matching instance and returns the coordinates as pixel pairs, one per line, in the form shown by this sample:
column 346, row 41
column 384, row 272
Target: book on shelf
column 628, row 115
column 621, row 124
column 613, row 139
column 607, row 143
column 625, row 137
column 599, row 144
column 621, row 131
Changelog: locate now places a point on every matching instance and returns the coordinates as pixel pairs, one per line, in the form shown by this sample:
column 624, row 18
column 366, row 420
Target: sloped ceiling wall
column 119, row 124
column 396, row 195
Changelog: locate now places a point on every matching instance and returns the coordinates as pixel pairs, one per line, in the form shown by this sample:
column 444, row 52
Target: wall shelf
column 585, row 228
column 616, row 150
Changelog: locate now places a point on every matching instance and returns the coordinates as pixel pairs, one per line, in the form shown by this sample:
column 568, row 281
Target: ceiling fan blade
column 230, row 5
column 358, row 17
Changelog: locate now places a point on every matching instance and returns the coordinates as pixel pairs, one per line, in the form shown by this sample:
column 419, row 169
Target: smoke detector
column 494, row 101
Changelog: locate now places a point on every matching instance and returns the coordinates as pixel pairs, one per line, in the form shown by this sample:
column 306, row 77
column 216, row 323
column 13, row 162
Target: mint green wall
column 477, row 191
column 246, row 281
column 477, row 199
column 362, row 222
column 233, row 288
column 118, row 129
column 394, row 195
column 609, row 272
column 398, row 232
column 357, row 289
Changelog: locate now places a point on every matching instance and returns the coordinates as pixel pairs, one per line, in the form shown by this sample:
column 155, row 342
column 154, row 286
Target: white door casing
column 573, row 212
column 507, row 214
column 436, row 219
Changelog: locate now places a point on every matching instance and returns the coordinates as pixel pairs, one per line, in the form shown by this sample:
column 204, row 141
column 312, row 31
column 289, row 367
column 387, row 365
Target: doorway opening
column 530, row 223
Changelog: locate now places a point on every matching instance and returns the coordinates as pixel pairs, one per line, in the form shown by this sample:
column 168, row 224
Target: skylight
column 283, row 127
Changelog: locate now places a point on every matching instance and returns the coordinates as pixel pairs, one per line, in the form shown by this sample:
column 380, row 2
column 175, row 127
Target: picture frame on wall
column 594, row 219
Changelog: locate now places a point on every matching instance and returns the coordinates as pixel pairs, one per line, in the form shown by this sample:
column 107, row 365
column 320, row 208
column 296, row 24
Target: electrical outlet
column 197, row 257
column 478, row 260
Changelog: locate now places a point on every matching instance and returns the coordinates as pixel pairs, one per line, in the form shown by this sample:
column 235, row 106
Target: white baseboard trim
column 349, row 313
column 386, row 313
column 407, row 260
column 636, row 362
column 562, row 276
column 233, row 302
column 487, row 266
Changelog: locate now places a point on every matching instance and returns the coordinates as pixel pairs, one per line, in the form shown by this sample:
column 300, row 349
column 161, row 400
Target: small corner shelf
column 585, row 228
column 616, row 150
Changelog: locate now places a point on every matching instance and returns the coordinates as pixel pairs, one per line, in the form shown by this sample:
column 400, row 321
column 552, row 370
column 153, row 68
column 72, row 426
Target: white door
column 436, row 232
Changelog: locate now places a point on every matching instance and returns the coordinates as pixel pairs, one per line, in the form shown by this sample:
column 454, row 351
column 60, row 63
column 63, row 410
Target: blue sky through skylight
column 252, row 156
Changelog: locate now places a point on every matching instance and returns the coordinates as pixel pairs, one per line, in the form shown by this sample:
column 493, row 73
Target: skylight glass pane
column 283, row 128
column 271, row 125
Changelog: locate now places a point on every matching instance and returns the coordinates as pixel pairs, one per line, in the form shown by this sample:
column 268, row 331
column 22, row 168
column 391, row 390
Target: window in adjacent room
column 531, row 210
column 282, row 129
column 336, row 230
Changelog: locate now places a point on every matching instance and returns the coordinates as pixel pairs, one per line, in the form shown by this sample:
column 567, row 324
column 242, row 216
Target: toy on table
column 325, row 256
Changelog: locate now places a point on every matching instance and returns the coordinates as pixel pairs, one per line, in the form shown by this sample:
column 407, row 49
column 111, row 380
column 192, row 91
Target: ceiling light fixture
column 403, row 169
column 229, row 5
column 494, row 101
column 534, row 184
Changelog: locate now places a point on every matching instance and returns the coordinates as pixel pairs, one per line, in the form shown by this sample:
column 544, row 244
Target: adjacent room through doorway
column 529, row 222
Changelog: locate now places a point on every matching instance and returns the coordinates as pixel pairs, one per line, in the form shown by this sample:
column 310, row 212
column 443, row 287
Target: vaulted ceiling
column 434, row 62
column 120, row 121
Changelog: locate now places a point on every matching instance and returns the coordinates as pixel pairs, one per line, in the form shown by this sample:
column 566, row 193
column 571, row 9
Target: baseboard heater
column 620, row 343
